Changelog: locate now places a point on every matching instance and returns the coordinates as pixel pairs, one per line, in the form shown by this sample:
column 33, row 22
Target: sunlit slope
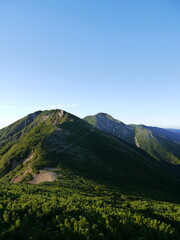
column 59, row 140
column 161, row 144
column 111, row 125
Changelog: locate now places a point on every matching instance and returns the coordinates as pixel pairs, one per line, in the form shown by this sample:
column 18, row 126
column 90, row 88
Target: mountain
column 111, row 125
column 161, row 144
column 53, row 145
column 174, row 130
column 62, row 178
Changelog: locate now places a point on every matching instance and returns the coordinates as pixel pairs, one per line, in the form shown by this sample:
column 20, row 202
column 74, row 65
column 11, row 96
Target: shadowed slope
column 57, row 139
column 161, row 144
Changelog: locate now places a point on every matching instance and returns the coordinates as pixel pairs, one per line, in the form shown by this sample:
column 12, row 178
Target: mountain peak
column 44, row 145
column 111, row 125
column 106, row 116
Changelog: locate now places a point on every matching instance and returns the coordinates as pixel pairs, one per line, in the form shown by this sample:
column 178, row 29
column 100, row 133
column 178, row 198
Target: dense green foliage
column 106, row 188
column 80, row 209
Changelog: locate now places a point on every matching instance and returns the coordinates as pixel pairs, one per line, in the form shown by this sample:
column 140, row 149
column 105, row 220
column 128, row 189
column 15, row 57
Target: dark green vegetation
column 161, row 144
column 80, row 209
column 103, row 187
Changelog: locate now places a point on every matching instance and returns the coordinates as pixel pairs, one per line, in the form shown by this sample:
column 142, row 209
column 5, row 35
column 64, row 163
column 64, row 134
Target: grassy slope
column 113, row 126
column 160, row 147
column 90, row 154
column 107, row 191
column 161, row 144
column 21, row 138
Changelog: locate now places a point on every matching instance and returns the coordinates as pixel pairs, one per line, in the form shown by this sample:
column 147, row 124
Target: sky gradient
column 121, row 57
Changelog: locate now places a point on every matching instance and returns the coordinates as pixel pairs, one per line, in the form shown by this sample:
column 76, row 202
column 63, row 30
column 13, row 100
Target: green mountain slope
column 53, row 143
column 102, row 187
column 161, row 144
column 111, row 125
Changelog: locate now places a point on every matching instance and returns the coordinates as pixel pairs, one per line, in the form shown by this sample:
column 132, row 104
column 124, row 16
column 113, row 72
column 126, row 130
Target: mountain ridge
column 161, row 144
column 50, row 143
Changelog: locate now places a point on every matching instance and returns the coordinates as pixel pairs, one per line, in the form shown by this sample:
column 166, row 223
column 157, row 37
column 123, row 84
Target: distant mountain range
column 161, row 144
column 45, row 145
column 174, row 130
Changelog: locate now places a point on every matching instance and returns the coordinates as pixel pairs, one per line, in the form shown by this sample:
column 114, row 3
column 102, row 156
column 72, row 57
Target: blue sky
column 121, row 57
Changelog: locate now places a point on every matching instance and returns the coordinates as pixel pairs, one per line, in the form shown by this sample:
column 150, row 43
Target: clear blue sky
column 116, row 56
